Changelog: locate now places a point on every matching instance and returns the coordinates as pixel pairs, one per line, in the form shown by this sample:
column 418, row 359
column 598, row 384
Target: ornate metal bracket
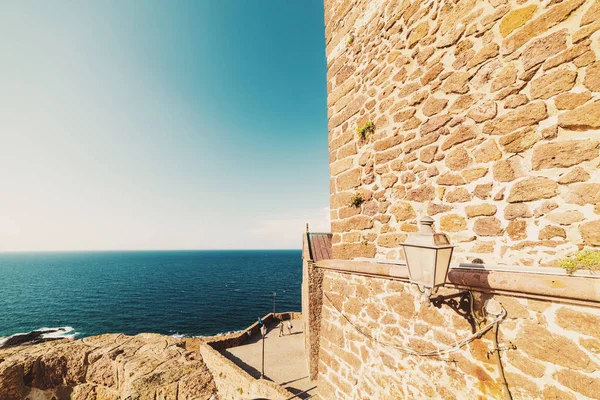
column 461, row 303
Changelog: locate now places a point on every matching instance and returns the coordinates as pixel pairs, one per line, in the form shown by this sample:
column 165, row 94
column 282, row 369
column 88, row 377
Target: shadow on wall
column 466, row 303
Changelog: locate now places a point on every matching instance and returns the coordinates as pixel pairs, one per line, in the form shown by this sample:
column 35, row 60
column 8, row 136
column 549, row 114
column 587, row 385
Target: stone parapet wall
column 234, row 383
column 222, row 342
column 312, row 301
column 486, row 116
column 548, row 350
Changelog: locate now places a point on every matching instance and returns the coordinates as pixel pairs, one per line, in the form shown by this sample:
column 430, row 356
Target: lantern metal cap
column 427, row 237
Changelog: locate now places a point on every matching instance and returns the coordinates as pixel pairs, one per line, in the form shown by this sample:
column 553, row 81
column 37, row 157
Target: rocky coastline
column 105, row 367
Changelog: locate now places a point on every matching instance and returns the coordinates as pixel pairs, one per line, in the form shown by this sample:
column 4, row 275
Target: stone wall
column 548, row 350
column 234, row 383
column 312, row 298
column 240, row 338
column 486, row 116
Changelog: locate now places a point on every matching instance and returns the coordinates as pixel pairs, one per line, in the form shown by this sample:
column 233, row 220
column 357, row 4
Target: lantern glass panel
column 421, row 264
column 443, row 262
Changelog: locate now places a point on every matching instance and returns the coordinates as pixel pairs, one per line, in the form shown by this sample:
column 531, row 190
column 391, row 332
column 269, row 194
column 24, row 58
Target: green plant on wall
column 350, row 40
column 586, row 259
column 365, row 130
column 357, row 200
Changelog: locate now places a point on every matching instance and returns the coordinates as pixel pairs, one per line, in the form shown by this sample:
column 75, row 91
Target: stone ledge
column 562, row 288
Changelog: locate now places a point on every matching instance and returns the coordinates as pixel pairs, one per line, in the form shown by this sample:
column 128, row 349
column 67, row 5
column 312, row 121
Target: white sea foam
column 63, row 332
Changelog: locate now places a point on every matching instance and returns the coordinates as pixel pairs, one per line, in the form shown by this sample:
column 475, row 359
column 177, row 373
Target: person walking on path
column 290, row 326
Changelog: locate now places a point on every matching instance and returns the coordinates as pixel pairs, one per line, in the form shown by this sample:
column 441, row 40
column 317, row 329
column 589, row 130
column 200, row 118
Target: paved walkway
column 285, row 362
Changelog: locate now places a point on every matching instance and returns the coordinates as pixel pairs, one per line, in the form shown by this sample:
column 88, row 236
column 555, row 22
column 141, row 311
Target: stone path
column 285, row 361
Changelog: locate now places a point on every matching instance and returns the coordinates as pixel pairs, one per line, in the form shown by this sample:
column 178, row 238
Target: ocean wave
column 38, row 335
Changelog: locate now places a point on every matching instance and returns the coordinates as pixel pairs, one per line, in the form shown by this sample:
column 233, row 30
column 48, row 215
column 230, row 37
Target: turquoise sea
column 184, row 293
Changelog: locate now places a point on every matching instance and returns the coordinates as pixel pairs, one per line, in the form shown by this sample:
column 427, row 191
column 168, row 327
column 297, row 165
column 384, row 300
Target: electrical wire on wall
column 438, row 354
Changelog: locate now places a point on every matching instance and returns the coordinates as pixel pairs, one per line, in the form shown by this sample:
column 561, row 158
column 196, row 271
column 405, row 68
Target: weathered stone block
column 433, row 106
column 349, row 180
column 520, row 141
column 590, row 232
column 421, row 194
column 384, row 144
column 592, row 77
column 340, row 140
column 487, row 151
column 582, row 118
column 457, row 82
column 543, row 345
column 471, row 175
column 357, row 222
column 518, row 118
column 392, row 240
column 516, row 210
column 516, row 18
column 540, row 25
column 488, row 226
column 483, row 191
column 592, row 14
column 403, row 211
column 516, row 100
column 517, row 229
column 577, row 174
column 579, row 383
column 450, row 179
column 553, row 83
column 506, row 77
column 434, row 208
column 482, row 247
column 566, row 218
column 462, row 103
column 462, row 134
column 526, row 364
column 452, row 223
column 569, row 101
column 347, row 251
column 458, row 159
column 340, row 166
column 480, row 210
column 483, row 111
column 427, row 154
column 507, row 170
column 534, row 188
column 583, row 193
column 418, row 33
column 567, row 55
column 577, row 321
column 543, row 48
column 459, row 195
column 488, row 51
column 564, row 154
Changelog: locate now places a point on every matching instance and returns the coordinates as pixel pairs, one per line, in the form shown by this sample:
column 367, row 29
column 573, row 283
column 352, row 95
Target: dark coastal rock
column 29, row 338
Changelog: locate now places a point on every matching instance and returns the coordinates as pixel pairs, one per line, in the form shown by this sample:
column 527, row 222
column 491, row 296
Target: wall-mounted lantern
column 428, row 256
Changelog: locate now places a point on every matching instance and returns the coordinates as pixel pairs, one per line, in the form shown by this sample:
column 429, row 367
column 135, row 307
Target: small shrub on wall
column 586, row 259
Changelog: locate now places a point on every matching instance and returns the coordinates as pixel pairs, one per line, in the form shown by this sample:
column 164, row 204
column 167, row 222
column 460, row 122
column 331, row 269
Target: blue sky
column 162, row 125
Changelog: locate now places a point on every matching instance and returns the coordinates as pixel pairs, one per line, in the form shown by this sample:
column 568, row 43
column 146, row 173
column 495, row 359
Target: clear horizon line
column 135, row 250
